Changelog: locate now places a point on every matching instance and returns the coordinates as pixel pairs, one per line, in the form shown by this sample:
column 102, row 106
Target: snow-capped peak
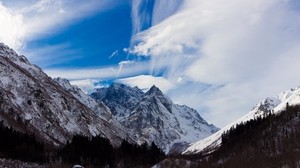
column 152, row 116
column 154, row 90
column 270, row 104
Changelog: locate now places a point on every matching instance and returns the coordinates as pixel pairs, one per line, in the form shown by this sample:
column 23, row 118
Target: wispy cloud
column 125, row 69
column 50, row 55
column 114, row 54
column 146, row 13
column 164, row 9
column 250, row 48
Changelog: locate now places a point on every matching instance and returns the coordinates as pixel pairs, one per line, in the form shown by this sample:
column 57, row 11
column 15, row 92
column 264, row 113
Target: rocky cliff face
column 119, row 98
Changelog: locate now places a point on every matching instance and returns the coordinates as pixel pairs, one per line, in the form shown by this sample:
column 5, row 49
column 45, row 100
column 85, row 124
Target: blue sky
column 219, row 58
column 92, row 40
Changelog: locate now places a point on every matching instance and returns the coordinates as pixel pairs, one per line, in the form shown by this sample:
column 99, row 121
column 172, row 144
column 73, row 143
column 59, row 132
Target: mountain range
column 153, row 117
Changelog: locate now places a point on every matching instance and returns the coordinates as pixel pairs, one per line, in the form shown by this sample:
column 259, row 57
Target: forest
column 91, row 152
column 268, row 141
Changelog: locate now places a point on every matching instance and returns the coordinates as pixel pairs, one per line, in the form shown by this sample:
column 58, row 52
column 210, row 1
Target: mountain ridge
column 268, row 105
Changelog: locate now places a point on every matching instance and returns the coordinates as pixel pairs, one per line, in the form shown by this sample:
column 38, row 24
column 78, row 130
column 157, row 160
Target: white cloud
column 87, row 85
column 249, row 47
column 12, row 28
column 145, row 82
column 31, row 19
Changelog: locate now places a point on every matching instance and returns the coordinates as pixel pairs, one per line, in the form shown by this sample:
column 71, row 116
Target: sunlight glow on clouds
column 12, row 28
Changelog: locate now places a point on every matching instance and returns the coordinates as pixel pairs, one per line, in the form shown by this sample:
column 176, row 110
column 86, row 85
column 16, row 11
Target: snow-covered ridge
column 32, row 102
column 275, row 105
column 20, row 60
column 99, row 107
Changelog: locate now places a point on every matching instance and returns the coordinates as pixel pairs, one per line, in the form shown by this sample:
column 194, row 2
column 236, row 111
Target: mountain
column 98, row 107
column 118, row 98
column 268, row 105
column 32, row 102
column 153, row 117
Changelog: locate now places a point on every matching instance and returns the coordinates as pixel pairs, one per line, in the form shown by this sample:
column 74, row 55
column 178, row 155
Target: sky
column 219, row 58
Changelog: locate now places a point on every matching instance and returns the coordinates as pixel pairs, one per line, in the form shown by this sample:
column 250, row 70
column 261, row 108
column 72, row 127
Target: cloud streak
column 125, row 69
column 146, row 13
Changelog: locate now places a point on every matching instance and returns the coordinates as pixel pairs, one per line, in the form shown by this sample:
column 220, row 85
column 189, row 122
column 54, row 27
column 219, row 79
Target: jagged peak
column 63, row 80
column 2, row 45
column 8, row 52
column 154, row 90
column 65, row 83
column 121, row 86
column 136, row 88
column 118, row 85
column 6, row 49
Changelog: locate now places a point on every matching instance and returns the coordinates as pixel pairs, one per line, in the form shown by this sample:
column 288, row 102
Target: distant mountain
column 152, row 116
column 32, row 102
column 119, row 98
column 268, row 105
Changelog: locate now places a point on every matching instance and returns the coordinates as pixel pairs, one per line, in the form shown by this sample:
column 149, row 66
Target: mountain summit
column 119, row 98
column 153, row 117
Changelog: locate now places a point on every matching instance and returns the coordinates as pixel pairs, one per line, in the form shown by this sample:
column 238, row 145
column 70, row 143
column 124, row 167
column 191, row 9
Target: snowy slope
column 98, row 107
column 32, row 102
column 152, row 116
column 275, row 105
